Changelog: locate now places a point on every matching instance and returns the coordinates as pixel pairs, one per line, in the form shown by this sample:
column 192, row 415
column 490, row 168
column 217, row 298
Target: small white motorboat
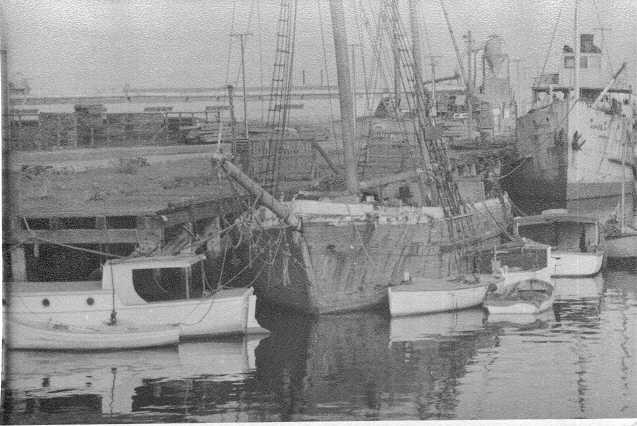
column 530, row 296
column 426, row 295
column 145, row 291
column 575, row 240
column 42, row 335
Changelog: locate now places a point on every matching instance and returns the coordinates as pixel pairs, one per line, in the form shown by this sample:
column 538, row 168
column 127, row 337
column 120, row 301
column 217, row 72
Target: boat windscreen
column 168, row 284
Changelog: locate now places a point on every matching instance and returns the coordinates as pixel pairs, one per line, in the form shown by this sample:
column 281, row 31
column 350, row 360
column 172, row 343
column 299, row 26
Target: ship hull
column 347, row 265
column 568, row 154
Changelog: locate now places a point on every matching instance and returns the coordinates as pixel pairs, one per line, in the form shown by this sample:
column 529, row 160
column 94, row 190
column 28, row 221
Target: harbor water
column 577, row 361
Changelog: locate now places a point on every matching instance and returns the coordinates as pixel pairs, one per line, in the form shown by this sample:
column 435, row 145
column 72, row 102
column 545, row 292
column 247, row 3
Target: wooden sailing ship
column 338, row 253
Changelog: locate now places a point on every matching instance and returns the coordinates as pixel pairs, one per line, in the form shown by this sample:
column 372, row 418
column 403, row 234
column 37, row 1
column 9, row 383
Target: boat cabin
column 516, row 256
column 592, row 78
column 562, row 231
column 143, row 280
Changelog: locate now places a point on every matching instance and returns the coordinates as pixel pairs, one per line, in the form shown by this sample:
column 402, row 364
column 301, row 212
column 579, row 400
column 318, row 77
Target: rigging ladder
column 266, row 171
column 433, row 149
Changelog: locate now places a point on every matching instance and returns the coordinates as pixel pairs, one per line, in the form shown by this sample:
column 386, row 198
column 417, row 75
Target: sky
column 82, row 47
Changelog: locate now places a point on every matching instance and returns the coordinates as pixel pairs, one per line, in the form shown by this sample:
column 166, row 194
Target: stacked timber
column 91, row 123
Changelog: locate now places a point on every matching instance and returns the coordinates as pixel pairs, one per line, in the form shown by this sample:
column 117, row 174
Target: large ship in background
column 575, row 146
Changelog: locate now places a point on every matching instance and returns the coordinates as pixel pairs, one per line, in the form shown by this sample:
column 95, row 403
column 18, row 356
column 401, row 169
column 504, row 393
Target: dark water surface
column 578, row 361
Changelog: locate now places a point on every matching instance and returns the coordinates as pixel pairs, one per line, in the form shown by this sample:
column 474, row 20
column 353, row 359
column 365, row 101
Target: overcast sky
column 90, row 46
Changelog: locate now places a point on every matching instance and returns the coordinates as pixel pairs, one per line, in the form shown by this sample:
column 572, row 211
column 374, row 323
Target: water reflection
column 578, row 360
column 115, row 384
column 430, row 353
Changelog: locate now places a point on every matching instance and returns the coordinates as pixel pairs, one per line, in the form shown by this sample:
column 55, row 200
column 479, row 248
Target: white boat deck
column 440, row 284
column 52, row 286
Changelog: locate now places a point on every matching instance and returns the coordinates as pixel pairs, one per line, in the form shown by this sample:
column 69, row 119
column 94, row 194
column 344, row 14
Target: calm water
column 578, row 361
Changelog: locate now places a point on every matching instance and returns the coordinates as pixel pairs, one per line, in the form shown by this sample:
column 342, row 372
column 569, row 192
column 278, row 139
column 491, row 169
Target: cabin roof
column 178, row 261
column 554, row 218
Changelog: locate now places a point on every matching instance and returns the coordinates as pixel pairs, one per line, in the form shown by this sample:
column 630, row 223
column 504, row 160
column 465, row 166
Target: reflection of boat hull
column 418, row 327
column 521, row 319
column 622, row 247
column 568, row 264
column 117, row 379
column 525, row 297
column 578, row 288
column 49, row 336
column 424, row 296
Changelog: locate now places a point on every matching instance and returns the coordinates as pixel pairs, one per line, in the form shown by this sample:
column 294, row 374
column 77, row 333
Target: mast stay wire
column 260, row 45
column 327, row 73
column 376, row 47
column 599, row 20
column 362, row 53
column 548, row 52
column 247, row 30
column 234, row 4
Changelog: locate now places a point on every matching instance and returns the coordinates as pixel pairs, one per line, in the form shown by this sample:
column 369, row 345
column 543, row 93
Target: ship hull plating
column 569, row 153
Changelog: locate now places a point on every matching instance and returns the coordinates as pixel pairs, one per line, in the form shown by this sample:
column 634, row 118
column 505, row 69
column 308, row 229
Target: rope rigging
column 326, row 70
column 550, row 48
column 267, row 175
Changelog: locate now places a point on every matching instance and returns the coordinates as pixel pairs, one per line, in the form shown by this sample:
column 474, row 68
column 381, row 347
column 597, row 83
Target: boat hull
column 347, row 264
column 623, row 246
column 430, row 296
column 224, row 313
column 568, row 264
column 568, row 153
column 525, row 297
column 51, row 336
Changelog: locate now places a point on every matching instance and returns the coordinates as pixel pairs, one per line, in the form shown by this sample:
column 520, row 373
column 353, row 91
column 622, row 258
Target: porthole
column 90, row 301
column 45, row 302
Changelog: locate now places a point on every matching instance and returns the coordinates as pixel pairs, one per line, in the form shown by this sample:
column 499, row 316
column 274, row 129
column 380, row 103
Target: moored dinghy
column 426, row 295
column 42, row 335
column 529, row 296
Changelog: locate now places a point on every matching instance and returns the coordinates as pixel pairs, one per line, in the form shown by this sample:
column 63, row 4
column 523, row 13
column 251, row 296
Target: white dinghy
column 530, row 296
column 426, row 295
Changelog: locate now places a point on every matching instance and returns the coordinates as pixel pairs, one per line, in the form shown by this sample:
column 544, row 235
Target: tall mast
column 5, row 93
column 242, row 37
column 415, row 43
column 463, row 76
column 576, row 44
column 345, row 94
column 469, row 88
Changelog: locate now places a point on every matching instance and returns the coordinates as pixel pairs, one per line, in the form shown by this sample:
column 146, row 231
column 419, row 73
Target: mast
column 576, row 45
column 415, row 43
column 469, row 88
column 5, row 94
column 623, row 197
column 345, row 94
column 242, row 37
column 455, row 45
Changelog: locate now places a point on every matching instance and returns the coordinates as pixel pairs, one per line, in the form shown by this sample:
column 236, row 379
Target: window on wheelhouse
column 168, row 284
